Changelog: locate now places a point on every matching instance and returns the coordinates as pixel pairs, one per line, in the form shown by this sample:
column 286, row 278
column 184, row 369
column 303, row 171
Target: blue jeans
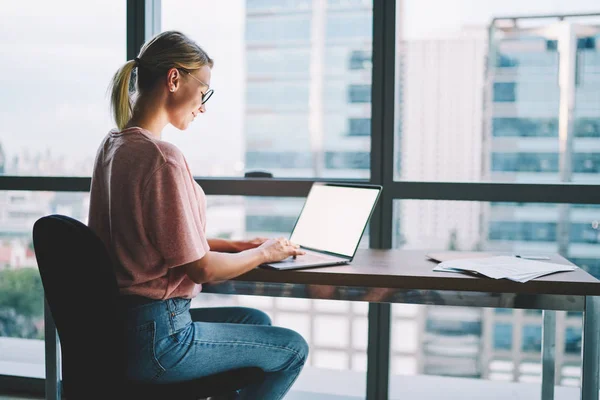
column 164, row 345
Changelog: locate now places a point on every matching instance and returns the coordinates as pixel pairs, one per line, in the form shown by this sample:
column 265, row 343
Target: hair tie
column 137, row 61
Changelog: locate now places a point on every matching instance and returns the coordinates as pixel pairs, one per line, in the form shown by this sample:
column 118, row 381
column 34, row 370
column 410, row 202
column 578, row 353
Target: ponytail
column 119, row 99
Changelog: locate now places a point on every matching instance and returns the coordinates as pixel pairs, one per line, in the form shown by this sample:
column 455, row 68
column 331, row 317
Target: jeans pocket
column 142, row 364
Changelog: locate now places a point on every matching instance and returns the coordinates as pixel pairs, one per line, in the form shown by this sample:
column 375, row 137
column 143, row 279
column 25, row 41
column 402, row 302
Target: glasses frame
column 206, row 95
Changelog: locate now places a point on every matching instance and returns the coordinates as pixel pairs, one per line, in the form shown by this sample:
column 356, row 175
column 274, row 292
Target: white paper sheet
column 513, row 268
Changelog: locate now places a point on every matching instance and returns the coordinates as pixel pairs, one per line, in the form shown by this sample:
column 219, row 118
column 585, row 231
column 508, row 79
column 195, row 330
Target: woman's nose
column 202, row 108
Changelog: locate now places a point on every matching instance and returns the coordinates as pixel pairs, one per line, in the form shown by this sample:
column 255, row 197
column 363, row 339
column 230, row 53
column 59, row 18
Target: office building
column 308, row 109
column 441, row 139
column 542, row 126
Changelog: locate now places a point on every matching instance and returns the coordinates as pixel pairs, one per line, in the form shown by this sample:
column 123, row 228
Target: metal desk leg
column 53, row 387
column 591, row 351
column 378, row 351
column 548, row 351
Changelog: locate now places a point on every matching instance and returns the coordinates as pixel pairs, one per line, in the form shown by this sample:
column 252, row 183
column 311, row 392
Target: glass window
column 584, row 233
column 495, row 227
column 57, row 62
column 525, row 127
column 587, row 163
column 453, row 327
column 587, row 127
column 359, row 127
column 359, row 94
column 360, row 60
column 502, row 336
column 279, row 80
column 463, row 96
column 347, row 160
column 325, row 325
column 505, row 91
column 523, row 231
column 474, row 107
column 573, row 340
column 530, row 60
column 531, row 338
column 525, row 162
column 21, row 291
column 65, row 54
column 587, row 43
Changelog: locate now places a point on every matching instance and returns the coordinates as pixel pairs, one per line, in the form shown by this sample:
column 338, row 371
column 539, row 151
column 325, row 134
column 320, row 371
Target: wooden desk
column 382, row 277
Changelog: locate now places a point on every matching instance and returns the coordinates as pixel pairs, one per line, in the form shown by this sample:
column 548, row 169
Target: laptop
column 330, row 225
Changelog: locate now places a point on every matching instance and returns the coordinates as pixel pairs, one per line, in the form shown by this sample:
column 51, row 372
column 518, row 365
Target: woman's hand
column 279, row 249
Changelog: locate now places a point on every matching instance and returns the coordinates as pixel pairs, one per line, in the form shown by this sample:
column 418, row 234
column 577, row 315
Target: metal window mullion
column 135, row 27
column 548, row 354
column 382, row 162
column 590, row 381
column 143, row 22
column 382, row 119
column 497, row 192
column 237, row 186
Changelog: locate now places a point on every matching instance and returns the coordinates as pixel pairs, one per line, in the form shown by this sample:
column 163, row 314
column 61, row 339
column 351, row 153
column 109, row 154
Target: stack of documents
column 513, row 268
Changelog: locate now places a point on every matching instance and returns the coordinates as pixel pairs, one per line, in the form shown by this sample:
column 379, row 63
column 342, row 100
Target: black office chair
column 82, row 294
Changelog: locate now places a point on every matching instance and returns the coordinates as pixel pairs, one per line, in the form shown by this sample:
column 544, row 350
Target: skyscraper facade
column 542, row 115
column 308, row 114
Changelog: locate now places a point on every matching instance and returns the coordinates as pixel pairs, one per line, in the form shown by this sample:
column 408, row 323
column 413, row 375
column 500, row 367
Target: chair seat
column 213, row 385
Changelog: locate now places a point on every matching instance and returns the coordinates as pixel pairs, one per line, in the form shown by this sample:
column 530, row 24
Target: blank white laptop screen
column 334, row 217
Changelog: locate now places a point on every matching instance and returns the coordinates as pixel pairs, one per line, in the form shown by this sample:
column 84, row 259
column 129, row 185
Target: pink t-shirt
column 149, row 212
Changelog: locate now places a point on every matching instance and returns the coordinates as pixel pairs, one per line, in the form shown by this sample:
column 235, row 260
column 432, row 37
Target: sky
column 57, row 59
column 424, row 19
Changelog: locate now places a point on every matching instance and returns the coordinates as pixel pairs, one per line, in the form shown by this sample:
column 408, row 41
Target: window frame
column 143, row 21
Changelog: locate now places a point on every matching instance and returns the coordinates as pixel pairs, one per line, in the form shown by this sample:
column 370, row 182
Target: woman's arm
column 216, row 266
column 234, row 246
column 222, row 245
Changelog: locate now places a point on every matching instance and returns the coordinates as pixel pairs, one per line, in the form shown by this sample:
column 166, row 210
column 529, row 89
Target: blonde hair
column 170, row 49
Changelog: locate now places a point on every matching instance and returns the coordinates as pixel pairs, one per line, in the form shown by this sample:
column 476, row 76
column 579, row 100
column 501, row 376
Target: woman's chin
column 182, row 126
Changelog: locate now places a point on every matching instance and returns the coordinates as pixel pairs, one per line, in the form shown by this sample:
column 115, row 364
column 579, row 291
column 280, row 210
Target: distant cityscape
column 473, row 107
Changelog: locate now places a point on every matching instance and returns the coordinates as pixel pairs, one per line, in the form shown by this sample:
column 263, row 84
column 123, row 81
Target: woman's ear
column 173, row 79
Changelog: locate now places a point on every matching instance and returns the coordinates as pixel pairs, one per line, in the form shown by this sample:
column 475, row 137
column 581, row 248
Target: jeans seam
column 171, row 311
column 162, row 369
column 293, row 381
column 263, row 345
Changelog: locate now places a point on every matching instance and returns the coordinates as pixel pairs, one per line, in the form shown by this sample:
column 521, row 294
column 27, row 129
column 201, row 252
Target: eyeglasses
column 208, row 93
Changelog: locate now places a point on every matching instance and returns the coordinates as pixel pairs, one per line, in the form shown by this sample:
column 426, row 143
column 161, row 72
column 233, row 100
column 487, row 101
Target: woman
column 151, row 215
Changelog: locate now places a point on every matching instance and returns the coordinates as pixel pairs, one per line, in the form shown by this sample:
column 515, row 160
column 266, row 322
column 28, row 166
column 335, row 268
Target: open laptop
column 331, row 224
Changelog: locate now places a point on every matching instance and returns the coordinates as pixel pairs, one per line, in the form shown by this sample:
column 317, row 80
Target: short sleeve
column 172, row 216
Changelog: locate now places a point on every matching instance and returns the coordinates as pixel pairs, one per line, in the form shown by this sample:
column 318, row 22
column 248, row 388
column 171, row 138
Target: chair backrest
column 82, row 294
